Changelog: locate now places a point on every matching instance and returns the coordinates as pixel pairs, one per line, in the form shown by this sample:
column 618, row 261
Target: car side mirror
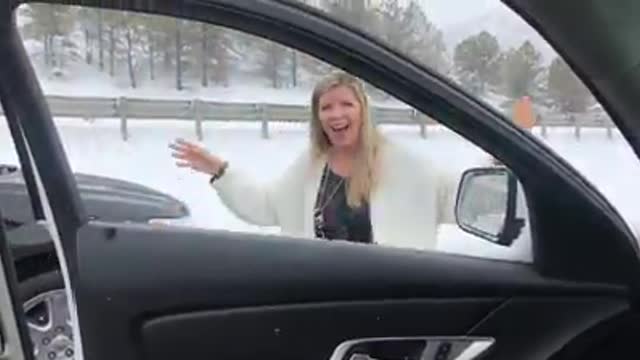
column 486, row 205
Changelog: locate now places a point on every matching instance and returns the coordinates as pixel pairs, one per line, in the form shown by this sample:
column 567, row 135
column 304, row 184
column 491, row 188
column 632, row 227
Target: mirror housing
column 486, row 204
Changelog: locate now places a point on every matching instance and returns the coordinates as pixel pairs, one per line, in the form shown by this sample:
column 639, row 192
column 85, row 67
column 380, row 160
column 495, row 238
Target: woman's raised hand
column 193, row 156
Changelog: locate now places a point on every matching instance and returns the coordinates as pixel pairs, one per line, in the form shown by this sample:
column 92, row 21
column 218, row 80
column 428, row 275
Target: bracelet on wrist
column 220, row 172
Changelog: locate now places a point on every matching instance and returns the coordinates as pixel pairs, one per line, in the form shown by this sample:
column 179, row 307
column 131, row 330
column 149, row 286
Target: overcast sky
column 449, row 12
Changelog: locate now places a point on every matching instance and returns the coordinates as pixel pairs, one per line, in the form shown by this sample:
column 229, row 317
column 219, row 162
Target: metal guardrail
column 198, row 111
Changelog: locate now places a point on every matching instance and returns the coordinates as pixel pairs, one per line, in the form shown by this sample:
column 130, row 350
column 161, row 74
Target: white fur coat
column 411, row 199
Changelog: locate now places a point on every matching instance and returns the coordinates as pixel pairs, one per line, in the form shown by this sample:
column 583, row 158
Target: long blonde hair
column 363, row 179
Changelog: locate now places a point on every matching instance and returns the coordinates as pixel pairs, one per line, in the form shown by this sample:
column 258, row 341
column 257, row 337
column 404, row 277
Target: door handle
column 413, row 348
column 362, row 357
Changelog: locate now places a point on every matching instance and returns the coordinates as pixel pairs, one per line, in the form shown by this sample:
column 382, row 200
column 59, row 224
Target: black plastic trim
column 176, row 274
column 11, row 278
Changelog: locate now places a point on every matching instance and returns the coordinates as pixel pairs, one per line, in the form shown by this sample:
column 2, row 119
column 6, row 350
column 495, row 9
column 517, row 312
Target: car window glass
column 494, row 54
column 124, row 86
column 14, row 198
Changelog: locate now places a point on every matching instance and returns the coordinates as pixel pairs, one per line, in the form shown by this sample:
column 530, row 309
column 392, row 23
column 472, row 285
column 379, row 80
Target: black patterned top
column 334, row 219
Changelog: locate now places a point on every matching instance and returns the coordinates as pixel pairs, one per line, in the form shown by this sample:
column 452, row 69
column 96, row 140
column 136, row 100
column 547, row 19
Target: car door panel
column 310, row 331
column 313, row 331
column 218, row 268
column 163, row 295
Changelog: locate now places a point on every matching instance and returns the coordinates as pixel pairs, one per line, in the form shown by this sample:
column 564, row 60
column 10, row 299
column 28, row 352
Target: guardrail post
column 609, row 129
column 196, row 107
column 420, row 119
column 122, row 111
column 577, row 127
column 262, row 110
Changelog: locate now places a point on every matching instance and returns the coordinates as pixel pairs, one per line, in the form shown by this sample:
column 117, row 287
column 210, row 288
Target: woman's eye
column 347, row 104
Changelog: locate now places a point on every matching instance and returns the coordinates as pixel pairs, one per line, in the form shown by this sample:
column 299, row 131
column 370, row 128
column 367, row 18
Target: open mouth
column 340, row 128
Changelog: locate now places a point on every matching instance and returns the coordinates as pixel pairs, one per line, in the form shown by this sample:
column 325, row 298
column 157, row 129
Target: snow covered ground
column 98, row 149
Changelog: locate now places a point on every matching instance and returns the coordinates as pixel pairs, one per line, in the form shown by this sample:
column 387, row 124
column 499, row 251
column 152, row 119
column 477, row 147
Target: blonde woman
column 350, row 184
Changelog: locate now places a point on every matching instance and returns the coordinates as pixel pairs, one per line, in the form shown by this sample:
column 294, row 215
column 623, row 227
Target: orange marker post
column 523, row 114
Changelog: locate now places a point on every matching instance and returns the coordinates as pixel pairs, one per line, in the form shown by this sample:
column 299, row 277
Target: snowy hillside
column 83, row 80
column 84, row 52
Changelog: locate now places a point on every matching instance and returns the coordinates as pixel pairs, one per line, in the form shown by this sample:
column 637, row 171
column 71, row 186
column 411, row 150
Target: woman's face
column 340, row 115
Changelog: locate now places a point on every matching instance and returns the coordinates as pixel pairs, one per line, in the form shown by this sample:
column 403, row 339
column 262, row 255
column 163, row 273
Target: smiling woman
column 351, row 183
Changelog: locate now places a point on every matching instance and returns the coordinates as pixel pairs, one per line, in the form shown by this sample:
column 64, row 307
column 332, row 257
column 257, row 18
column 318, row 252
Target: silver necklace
column 318, row 216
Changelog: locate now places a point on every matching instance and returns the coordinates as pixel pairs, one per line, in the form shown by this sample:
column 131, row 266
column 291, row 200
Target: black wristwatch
column 220, row 172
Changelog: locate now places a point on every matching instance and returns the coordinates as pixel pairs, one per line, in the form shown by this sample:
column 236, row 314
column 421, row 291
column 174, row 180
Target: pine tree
column 409, row 30
column 156, row 35
column 133, row 26
column 565, row 89
column 271, row 57
column 221, row 53
column 51, row 24
column 112, row 21
column 426, row 42
column 313, row 66
column 100, row 35
column 179, row 48
column 521, row 70
column 204, row 54
column 355, row 13
column 88, row 19
column 477, row 60
column 274, row 62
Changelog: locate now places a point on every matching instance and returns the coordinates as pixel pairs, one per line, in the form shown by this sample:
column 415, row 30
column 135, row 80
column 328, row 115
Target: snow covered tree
column 52, row 25
column 221, row 53
column 133, row 26
column 565, row 89
column 100, row 37
column 205, row 60
column 208, row 52
column 273, row 62
column 167, row 37
column 409, row 30
column 521, row 70
column 477, row 60
column 266, row 58
column 88, row 19
column 155, row 32
column 313, row 66
column 179, row 48
column 352, row 12
column 112, row 21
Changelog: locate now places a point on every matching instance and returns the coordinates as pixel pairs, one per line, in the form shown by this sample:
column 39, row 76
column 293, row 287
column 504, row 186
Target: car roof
column 599, row 40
